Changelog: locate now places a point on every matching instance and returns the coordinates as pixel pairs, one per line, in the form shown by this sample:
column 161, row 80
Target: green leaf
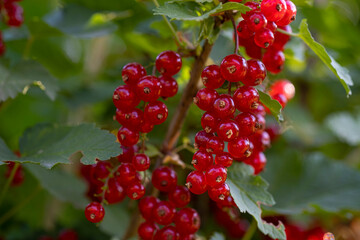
column 249, row 192
column 5, row 153
column 176, row 11
column 18, row 78
column 217, row 236
column 273, row 105
column 341, row 73
column 116, row 220
column 62, row 185
column 49, row 145
column 346, row 127
column 300, row 185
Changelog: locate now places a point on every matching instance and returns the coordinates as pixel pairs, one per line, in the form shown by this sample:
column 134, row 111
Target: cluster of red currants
column 109, row 182
column 230, row 219
column 12, row 13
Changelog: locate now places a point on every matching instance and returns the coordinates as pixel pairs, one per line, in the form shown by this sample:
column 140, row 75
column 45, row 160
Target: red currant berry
column 147, row 230
column 124, row 98
column 126, row 173
column 253, row 50
column 233, row 68
column 256, row 73
column 237, row 229
column 261, row 141
column 264, row 38
column 224, row 159
column 243, row 30
column 284, row 87
column 2, row 46
column 205, row 98
column 228, row 130
column 271, row 26
column 127, row 154
column 239, row 147
column 246, row 98
column 274, row 132
column 146, row 127
column 219, row 193
column 260, row 110
column 101, row 170
column 273, row 10
column 94, row 212
column 201, row 138
column 258, row 161
column 215, row 145
column 146, row 205
column 15, row 14
column 169, row 86
column 164, row 213
column 148, row 88
column 281, row 39
column 196, row 182
column 211, row 77
column 202, row 160
column 209, row 122
column 281, row 99
column 115, row 192
column 256, row 21
column 167, row 233
column 187, row 221
column 132, row 72
column 224, row 106
column 216, row 175
column 254, row 7
column 164, row 179
column 141, row 162
column 131, row 119
column 248, row 123
column 274, row 61
column 127, row 137
column 156, row 113
column 179, row 196
column 261, row 123
column 290, row 14
column 135, row 190
column 227, row 202
column 168, row 63
column 191, row 236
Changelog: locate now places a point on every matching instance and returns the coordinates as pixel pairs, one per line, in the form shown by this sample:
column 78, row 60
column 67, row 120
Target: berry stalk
column 8, row 182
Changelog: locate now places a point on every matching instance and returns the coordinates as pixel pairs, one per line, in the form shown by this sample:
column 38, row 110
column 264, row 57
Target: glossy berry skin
column 124, row 98
column 261, row 141
column 243, row 30
column 215, row 145
column 290, row 14
column 126, row 174
column 281, row 39
column 239, row 147
column 246, row 98
column 168, row 63
column 141, row 162
column 264, row 38
column 281, row 99
column 15, row 14
column 167, row 233
column 260, row 119
column 257, row 160
column 146, row 127
column 254, row 7
column 219, row 193
column 132, row 72
column 274, row 61
column 256, row 73
column 284, row 87
column 146, row 205
column 187, row 221
column 164, row 213
column 271, row 26
column 201, row 138
column 169, row 86
column 101, row 170
column 127, row 137
column 131, row 119
column 196, row 182
column 148, row 88
column 202, row 160
column 224, row 106
column 135, row 190
column 94, row 212
column 256, row 21
column 179, row 196
column 216, row 175
column 211, row 77
column 115, row 192
column 259, row 110
column 147, row 230
column 209, row 122
column 224, row 159
column 155, row 113
column 228, row 130
column 233, row 68
column 205, row 98
column 248, row 123
column 253, row 50
column 164, row 179
column 273, row 10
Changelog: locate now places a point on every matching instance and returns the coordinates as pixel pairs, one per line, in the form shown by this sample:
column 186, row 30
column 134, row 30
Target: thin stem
column 235, row 33
column 8, row 182
column 287, row 33
column 169, row 25
column 28, row 46
column 250, row 231
column 17, row 208
column 229, row 89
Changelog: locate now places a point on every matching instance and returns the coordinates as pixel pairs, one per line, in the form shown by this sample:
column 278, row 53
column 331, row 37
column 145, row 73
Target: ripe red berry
column 271, row 26
column 146, row 205
column 209, row 122
column 131, row 119
column 202, row 160
column 167, row 233
column 201, row 138
column 264, row 38
column 228, row 130
column 243, row 30
column 215, row 145
column 254, row 7
column 281, row 99
column 274, row 61
column 248, row 123
column 246, row 98
column 256, row 21
column 216, row 175
column 237, row 229
column 132, row 72
column 284, row 87
column 141, row 162
column 239, row 147
column 253, row 50
column 260, row 119
column 127, row 137
column 126, row 174
column 211, row 77
column 179, row 196
column 205, row 98
column 68, row 234
column 164, row 179
column 135, row 190
column 233, row 68
column 224, row 159
column 124, row 98
column 290, row 14
column 219, row 193
column 148, row 88
column 261, row 141
column 257, row 160
column 127, row 154
column 260, row 110
column 101, row 170
column 94, row 212
column 2, row 47
column 187, row 221
column 281, row 39
column 147, row 230
column 164, row 213
column 273, row 10
column 169, row 86
column 155, row 113
column 15, row 14
column 168, row 63
column 196, row 182
column 115, row 192
column 256, row 73
column 224, row 106
column 146, row 127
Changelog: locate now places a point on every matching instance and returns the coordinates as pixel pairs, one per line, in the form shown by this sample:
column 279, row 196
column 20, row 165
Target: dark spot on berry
column 278, row 7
